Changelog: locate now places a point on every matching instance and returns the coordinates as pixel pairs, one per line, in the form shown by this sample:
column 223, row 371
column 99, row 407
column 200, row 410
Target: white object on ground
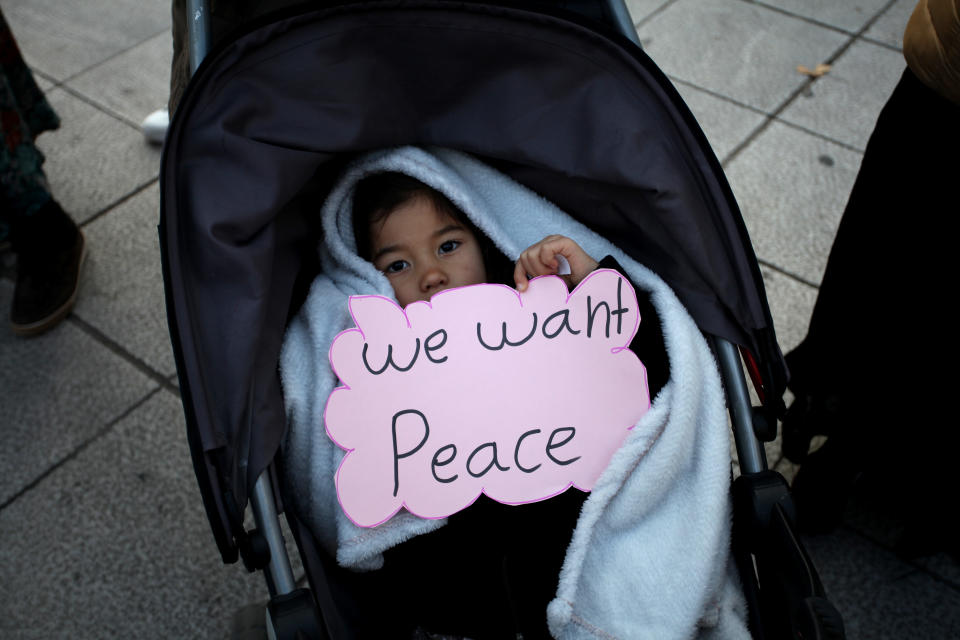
column 154, row 126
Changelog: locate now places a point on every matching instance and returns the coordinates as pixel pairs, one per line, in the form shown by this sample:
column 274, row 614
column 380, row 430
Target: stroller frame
column 783, row 590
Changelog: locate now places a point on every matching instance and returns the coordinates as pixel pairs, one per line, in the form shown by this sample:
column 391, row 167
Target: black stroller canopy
column 579, row 117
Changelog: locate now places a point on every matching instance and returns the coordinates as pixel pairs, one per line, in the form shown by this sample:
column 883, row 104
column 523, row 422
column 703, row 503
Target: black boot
column 810, row 415
column 50, row 250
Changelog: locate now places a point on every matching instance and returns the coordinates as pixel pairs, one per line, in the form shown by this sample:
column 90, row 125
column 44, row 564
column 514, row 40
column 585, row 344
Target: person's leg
column 880, row 287
column 903, row 193
column 48, row 244
column 869, row 372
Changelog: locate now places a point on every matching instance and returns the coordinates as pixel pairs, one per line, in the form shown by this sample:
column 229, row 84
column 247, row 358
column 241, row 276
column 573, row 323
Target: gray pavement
column 102, row 533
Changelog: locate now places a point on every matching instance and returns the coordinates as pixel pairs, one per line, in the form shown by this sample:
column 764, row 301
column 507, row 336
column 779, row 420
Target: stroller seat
column 575, row 112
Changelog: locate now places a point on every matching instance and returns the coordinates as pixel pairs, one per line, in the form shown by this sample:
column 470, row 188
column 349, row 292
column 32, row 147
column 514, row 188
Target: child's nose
column 433, row 279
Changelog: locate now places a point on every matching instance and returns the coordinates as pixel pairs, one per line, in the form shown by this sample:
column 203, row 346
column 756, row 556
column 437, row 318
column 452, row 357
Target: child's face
column 423, row 251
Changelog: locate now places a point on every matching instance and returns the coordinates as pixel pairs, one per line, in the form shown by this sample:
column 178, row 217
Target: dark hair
column 377, row 196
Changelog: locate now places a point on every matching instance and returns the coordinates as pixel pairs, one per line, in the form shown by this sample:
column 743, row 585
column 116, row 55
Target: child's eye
column 449, row 246
column 395, row 267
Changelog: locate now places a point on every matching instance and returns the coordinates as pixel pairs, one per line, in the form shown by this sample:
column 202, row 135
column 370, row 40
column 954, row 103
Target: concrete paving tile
column 791, row 304
column 122, row 293
column 878, row 510
column 792, row 188
column 57, row 391
column 641, row 9
column 42, row 81
column 743, row 51
column 787, row 469
column 849, row 16
column 64, row 38
column 773, row 452
column 943, row 565
column 725, row 124
column 115, row 543
column 888, row 29
column 869, row 514
column 94, row 160
column 880, row 596
column 134, row 83
column 844, row 104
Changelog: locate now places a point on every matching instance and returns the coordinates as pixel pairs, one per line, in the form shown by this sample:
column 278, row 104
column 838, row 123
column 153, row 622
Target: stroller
column 559, row 98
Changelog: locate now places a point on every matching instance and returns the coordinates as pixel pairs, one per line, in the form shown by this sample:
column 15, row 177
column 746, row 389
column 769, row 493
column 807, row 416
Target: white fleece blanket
column 650, row 554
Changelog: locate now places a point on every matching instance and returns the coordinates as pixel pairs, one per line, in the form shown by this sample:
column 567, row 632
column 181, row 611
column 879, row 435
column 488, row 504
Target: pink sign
column 483, row 389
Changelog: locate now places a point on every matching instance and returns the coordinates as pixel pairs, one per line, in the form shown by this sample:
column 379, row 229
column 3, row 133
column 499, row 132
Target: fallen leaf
column 816, row 72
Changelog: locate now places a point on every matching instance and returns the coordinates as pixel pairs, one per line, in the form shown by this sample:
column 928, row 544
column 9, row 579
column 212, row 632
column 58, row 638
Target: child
column 513, row 554
column 645, row 554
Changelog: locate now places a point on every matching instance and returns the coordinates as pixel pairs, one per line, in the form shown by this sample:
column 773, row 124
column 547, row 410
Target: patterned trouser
column 24, row 114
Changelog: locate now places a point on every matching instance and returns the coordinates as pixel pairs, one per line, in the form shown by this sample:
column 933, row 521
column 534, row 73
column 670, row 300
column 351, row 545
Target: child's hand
column 541, row 259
